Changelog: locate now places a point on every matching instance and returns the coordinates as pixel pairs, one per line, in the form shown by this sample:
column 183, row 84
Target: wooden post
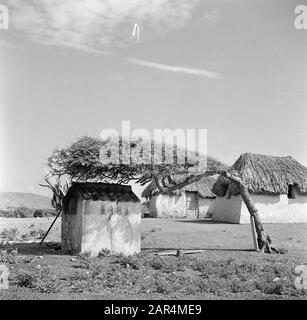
column 59, row 212
column 197, row 205
column 254, row 234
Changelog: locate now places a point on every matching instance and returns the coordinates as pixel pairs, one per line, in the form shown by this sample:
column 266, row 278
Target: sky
column 237, row 68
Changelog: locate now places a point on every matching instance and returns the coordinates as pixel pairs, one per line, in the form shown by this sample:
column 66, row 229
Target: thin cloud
column 180, row 69
column 95, row 24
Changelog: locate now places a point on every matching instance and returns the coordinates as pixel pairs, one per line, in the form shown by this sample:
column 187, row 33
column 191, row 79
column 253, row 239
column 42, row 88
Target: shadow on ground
column 203, row 221
column 54, row 248
column 152, row 250
column 35, row 249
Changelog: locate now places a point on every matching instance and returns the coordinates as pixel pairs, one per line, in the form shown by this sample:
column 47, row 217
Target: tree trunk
column 264, row 240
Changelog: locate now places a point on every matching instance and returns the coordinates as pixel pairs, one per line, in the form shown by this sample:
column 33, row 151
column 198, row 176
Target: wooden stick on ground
column 181, row 252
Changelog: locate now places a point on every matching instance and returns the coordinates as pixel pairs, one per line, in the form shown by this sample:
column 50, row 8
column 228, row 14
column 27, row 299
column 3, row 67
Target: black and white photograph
column 153, row 150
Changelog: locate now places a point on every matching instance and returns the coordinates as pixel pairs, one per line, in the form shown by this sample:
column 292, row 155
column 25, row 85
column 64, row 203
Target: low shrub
column 132, row 261
column 26, row 279
column 42, row 279
column 165, row 264
column 39, row 234
column 8, row 257
column 10, row 234
column 24, row 212
column 104, row 253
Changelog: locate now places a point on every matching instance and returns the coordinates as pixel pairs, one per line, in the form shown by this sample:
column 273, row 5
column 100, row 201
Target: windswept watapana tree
column 118, row 160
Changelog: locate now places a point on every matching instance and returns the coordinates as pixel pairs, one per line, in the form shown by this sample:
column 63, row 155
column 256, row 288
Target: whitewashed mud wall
column 98, row 225
column 272, row 209
column 166, row 206
column 206, row 207
column 227, row 210
column 107, row 225
column 173, row 206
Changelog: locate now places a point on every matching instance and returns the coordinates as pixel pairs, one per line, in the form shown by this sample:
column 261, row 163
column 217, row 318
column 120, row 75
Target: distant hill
column 21, row 199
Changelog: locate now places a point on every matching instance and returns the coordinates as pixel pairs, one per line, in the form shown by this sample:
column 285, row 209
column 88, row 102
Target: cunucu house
column 277, row 185
column 194, row 201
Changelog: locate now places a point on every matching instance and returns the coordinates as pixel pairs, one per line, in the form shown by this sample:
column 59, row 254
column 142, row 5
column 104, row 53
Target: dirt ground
column 219, row 240
column 162, row 234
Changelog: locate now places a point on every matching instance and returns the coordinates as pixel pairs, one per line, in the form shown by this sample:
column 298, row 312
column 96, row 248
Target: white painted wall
column 168, row 206
column 227, row 210
column 112, row 226
column 172, row 206
column 272, row 209
column 206, row 207
column 96, row 225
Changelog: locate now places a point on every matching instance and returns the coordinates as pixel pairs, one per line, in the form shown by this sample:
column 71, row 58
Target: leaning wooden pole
column 58, row 195
column 254, row 234
column 46, row 234
column 263, row 240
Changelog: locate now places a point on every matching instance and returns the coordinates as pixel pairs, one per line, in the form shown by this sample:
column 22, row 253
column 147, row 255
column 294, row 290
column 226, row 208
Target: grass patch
column 42, row 279
column 159, row 276
column 169, row 275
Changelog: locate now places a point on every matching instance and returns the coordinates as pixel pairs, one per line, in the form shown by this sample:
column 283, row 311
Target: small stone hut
column 99, row 216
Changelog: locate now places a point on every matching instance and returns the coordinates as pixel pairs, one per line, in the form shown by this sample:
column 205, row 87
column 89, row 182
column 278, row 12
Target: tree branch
column 160, row 188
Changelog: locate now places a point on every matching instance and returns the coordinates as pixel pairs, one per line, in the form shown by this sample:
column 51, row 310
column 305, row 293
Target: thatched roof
column 265, row 175
column 203, row 187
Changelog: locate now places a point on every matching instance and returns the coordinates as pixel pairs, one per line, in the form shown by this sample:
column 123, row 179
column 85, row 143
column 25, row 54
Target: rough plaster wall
column 227, row 210
column 272, row 209
column 72, row 227
column 206, row 207
column 165, row 206
column 278, row 209
column 211, row 206
column 107, row 225
column 153, row 207
column 126, row 226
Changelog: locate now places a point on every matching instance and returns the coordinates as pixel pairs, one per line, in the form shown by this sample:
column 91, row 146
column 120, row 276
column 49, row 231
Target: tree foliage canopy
column 91, row 159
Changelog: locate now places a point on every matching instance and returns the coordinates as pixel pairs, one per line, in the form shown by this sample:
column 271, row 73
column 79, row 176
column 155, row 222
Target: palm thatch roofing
column 264, row 175
column 203, row 187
